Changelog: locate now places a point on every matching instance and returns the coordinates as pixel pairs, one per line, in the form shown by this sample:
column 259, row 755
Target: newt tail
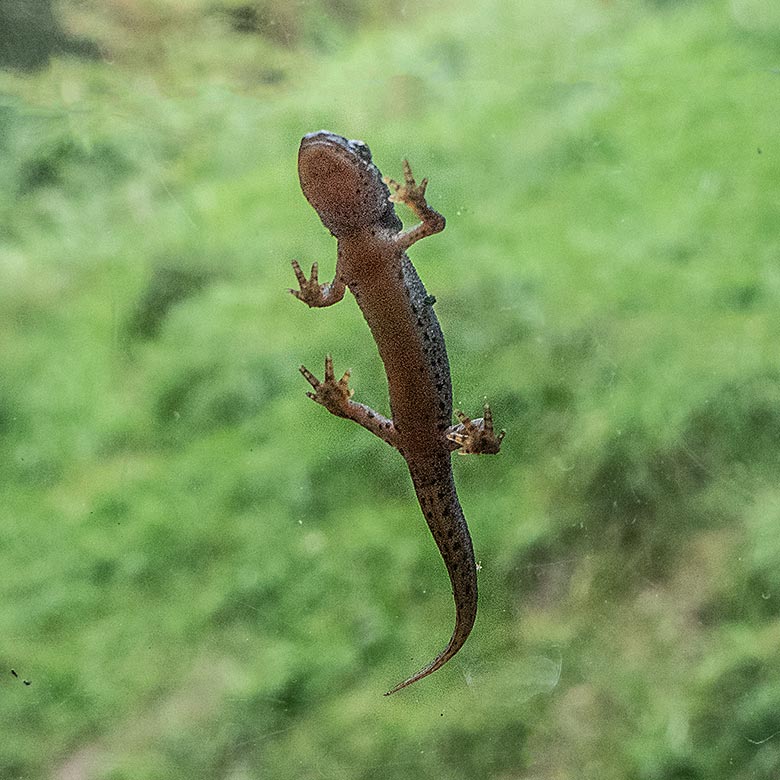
column 442, row 510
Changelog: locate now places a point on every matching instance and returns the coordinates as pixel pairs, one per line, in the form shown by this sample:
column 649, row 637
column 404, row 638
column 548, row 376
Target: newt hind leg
column 475, row 437
column 336, row 396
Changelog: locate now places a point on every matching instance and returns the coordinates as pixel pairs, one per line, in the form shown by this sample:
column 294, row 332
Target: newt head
column 341, row 182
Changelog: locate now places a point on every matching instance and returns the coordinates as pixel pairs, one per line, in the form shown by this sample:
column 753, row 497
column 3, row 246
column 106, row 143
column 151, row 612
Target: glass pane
column 205, row 574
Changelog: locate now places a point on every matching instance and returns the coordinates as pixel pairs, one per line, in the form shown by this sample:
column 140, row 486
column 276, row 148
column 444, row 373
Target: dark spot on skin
column 440, row 494
column 455, row 566
column 456, row 546
column 371, row 414
column 449, row 533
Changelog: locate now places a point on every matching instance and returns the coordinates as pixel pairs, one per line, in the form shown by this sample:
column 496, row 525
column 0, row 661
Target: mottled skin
column 346, row 189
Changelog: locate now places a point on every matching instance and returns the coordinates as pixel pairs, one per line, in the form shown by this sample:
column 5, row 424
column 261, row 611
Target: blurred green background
column 205, row 575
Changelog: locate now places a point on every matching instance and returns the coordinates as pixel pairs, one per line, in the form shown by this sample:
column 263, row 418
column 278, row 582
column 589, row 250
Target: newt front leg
column 314, row 294
column 413, row 195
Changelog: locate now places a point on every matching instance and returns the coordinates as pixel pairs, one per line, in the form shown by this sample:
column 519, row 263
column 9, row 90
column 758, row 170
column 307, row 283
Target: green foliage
column 206, row 576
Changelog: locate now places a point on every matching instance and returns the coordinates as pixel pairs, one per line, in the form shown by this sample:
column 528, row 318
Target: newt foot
column 475, row 437
column 410, row 192
column 311, row 292
column 333, row 395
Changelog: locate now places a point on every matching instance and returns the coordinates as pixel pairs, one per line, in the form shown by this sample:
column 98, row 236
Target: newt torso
column 346, row 189
column 400, row 314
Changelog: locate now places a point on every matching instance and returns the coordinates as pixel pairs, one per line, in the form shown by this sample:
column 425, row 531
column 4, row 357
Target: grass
column 207, row 576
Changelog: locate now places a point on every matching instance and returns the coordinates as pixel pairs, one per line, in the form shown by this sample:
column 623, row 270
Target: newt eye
column 361, row 150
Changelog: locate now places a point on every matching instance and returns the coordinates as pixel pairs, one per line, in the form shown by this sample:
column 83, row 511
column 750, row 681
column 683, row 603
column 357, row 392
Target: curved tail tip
column 397, row 688
column 458, row 638
column 437, row 663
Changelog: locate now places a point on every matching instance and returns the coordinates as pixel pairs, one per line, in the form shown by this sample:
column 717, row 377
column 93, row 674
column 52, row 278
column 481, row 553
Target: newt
column 354, row 202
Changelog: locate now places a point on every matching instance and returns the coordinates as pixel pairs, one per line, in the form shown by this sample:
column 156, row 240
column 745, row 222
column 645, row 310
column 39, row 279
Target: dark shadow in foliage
column 638, row 501
column 643, row 500
column 179, row 394
column 62, row 161
column 30, row 35
column 740, row 424
column 287, row 24
column 635, row 482
column 737, row 720
column 466, row 753
column 168, row 286
column 744, row 603
column 197, row 399
column 248, row 18
column 259, row 19
column 679, row 769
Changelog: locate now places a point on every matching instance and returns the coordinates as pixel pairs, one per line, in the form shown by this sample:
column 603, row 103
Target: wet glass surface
column 205, row 575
